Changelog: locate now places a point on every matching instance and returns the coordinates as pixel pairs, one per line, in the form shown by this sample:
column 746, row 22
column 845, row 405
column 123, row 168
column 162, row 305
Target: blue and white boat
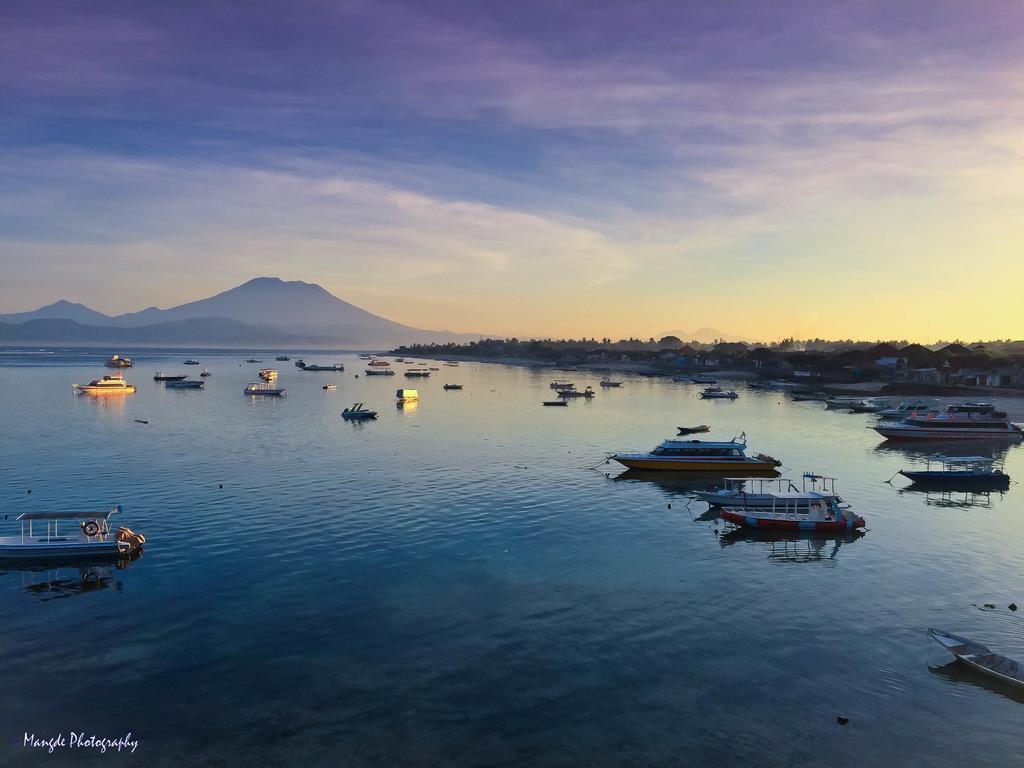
column 83, row 535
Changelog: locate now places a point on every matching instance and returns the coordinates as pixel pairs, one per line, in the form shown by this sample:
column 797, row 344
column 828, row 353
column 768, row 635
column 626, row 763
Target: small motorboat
column 185, row 384
column 869, row 405
column 191, row 362
column 818, row 512
column 358, row 412
column 267, row 374
column 452, row 365
column 693, row 430
column 117, row 361
column 453, row 386
column 842, row 402
column 379, row 372
column 714, row 393
column 435, row 369
column 804, row 396
column 587, row 393
column 979, row 658
column 761, row 386
column 206, row 372
column 700, row 456
column 282, row 358
column 417, row 373
column 161, row 376
column 555, row 402
column 406, row 395
column 562, row 385
column 335, row 367
column 300, row 363
column 610, row 383
column 330, row 387
column 253, row 360
column 960, row 473
column 263, row 389
column 92, row 537
column 701, row 379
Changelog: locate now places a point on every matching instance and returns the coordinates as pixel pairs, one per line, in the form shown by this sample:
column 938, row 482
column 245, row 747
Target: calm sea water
column 456, row 584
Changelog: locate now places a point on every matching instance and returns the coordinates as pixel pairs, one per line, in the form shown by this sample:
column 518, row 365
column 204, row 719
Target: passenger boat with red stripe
column 822, row 514
column 964, row 421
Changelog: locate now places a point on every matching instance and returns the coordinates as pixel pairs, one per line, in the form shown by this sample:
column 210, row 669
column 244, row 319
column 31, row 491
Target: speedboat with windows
column 92, row 537
column 821, row 514
column 699, row 456
column 107, row 385
column 964, row 421
column 417, row 373
column 959, row 473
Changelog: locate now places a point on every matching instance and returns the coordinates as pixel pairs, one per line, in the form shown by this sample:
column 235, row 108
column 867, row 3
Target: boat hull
column 762, row 522
column 13, row 549
column 693, row 465
column 901, row 432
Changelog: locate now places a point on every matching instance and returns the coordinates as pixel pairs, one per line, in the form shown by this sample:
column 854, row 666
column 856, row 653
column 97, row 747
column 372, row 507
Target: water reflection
column 407, row 406
column 792, row 546
column 681, row 484
column 926, row 449
column 951, row 497
column 962, row 675
column 55, row 581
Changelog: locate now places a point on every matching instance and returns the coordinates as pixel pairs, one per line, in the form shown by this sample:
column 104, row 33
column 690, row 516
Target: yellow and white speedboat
column 699, row 456
column 114, row 384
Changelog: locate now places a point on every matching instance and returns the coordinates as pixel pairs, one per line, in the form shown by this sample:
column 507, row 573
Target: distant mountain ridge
column 264, row 310
column 703, row 335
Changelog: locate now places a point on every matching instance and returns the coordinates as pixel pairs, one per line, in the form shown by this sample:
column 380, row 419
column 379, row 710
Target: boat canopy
column 68, row 515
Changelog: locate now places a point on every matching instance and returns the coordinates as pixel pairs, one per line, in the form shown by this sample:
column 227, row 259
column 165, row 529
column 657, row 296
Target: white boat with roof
column 114, row 384
column 959, row 473
column 963, row 421
column 91, row 537
column 766, row 492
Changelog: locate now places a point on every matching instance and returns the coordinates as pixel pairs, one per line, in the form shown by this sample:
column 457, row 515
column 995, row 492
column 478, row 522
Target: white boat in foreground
column 762, row 492
column 980, row 658
column 91, row 537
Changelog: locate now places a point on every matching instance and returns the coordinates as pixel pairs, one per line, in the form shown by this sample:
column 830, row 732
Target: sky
column 552, row 168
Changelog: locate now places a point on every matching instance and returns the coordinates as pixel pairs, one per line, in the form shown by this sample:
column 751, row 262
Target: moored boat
column 821, row 514
column 979, row 658
column 716, row 393
column 905, row 409
column 841, row 402
column 379, row 372
column 694, row 430
column 417, row 373
column 114, row 384
column 406, row 395
column 555, row 402
column 206, row 372
column 587, row 393
column 118, row 361
column 268, row 374
column 185, row 384
column 803, row 396
column 764, row 493
column 253, row 360
column 314, row 368
column 702, row 379
column 161, row 376
column 92, row 537
column 610, row 383
column 190, row 361
column 964, row 421
column 263, row 389
column 358, row 413
column 375, row 363
column 959, row 473
column 330, row 387
column 453, row 386
column 560, row 385
column 282, row 358
column 699, row 456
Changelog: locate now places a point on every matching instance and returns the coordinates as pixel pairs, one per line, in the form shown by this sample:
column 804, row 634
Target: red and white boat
column 821, row 514
column 965, row 421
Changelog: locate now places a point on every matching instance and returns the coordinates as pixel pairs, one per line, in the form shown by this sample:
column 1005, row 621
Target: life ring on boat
column 90, row 528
